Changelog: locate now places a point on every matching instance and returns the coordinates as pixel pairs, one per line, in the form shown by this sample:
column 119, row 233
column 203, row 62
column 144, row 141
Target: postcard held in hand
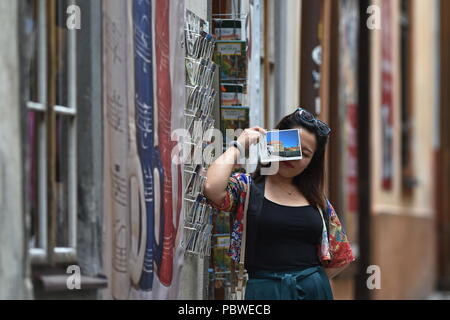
column 281, row 145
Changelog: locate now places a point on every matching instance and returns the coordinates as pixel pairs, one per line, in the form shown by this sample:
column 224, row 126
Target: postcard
column 281, row 145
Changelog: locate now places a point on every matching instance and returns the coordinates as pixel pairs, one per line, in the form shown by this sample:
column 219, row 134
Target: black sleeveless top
column 287, row 238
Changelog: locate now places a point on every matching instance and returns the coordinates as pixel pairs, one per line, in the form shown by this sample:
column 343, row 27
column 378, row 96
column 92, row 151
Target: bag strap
column 240, row 283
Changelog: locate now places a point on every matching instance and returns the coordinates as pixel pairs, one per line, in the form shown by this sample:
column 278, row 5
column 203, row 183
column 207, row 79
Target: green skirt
column 306, row 284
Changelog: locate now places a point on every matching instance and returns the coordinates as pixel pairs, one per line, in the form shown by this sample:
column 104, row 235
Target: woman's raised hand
column 251, row 136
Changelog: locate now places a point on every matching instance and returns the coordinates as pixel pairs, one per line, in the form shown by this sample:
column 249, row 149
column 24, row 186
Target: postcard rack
column 200, row 73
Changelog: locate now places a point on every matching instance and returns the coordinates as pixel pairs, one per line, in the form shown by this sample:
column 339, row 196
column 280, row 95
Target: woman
column 292, row 246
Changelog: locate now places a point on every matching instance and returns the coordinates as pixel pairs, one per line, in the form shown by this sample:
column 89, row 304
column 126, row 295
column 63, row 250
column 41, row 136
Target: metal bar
column 42, row 52
column 51, row 125
column 39, row 256
column 36, row 106
column 41, row 253
column 64, row 255
column 72, row 143
column 66, row 111
column 42, row 185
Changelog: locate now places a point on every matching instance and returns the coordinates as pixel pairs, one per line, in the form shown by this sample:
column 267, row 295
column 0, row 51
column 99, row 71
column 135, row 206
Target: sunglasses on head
column 307, row 118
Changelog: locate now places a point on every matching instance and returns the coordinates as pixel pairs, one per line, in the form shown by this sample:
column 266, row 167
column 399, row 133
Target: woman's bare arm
column 220, row 170
column 218, row 174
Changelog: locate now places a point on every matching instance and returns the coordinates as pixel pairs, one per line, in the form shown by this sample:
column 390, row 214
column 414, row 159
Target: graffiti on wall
column 142, row 211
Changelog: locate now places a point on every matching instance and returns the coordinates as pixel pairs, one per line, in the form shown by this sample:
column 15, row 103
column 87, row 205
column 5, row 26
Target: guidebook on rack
column 234, row 117
column 231, row 57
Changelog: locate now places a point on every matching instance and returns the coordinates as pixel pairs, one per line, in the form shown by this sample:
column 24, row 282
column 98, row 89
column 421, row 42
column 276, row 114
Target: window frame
column 45, row 252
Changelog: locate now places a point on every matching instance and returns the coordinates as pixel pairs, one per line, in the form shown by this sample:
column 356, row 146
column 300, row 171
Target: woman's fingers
column 261, row 130
column 251, row 136
column 255, row 135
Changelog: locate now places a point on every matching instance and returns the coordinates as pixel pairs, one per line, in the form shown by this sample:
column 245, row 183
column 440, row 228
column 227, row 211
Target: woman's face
column 290, row 169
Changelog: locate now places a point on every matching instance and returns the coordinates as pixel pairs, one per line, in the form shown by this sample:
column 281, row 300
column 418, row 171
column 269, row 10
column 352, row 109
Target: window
column 51, row 136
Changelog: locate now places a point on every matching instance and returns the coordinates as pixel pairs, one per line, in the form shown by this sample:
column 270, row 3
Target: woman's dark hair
column 311, row 181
